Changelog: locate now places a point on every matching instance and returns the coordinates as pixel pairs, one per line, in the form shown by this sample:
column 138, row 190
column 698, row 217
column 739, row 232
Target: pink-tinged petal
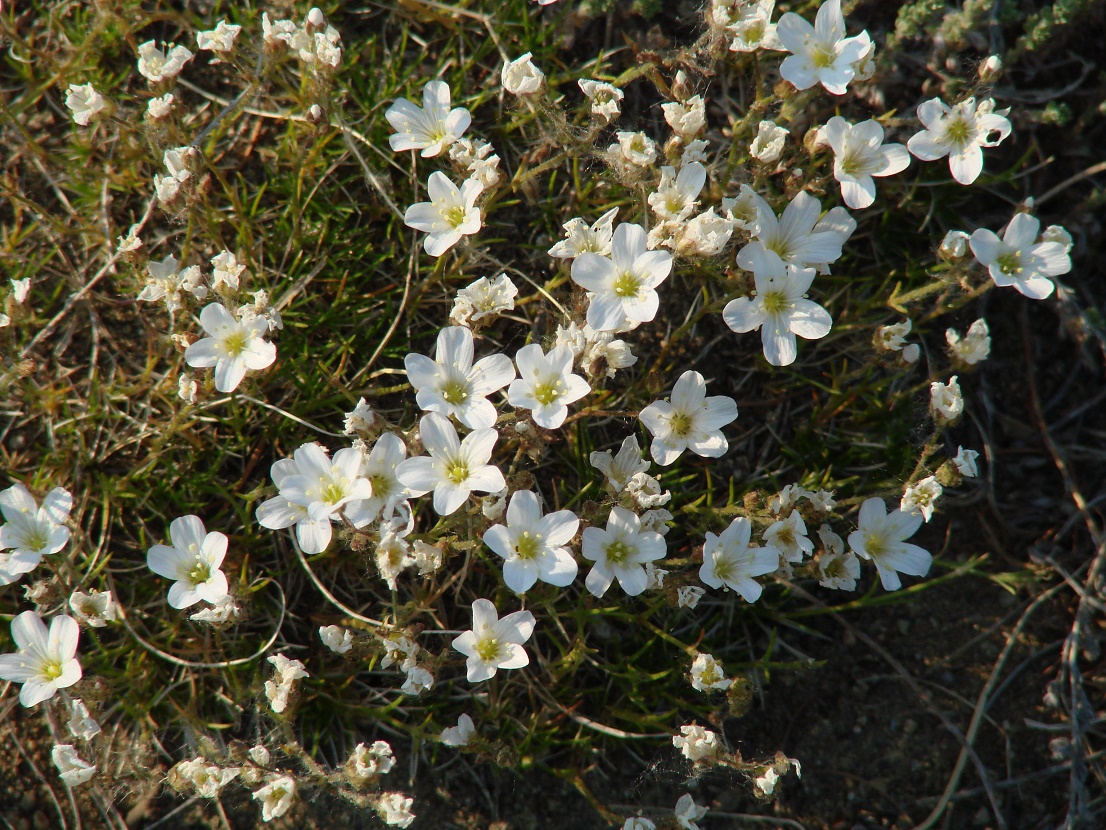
column 492, row 373
column 203, row 353
column 1035, row 288
column 187, row 533
column 520, row 574
column 809, row 320
column 498, row 538
column 793, row 32
column 448, row 497
column 229, row 373
column 484, row 615
column 593, row 272
column 487, row 479
column 438, row 435
column 559, row 568
column 313, row 537
column 63, row 637
column 419, row 475
column 633, row 579
column 215, row 548
column 967, row 164
column 605, row 312
column 423, row 216
column 779, row 346
column 36, row 691
column 59, row 502
column 216, row 320
column 858, row 193
column 28, row 630
column 924, row 146
column 516, row 627
column 628, row 243
column 744, row 315
column 260, row 355
column 598, row 580
column 182, row 595
column 164, row 561
column 455, row 348
column 278, row 513
column 896, row 158
column 15, row 668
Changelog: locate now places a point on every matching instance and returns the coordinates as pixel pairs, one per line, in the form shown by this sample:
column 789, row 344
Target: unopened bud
column 315, row 114
column 991, row 69
column 681, row 87
column 316, row 18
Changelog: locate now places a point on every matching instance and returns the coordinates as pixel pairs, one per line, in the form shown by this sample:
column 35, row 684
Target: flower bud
column 990, row 70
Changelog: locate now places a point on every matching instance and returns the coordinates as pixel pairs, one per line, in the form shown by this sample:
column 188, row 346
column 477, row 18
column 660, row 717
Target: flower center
column 334, row 492
column 786, row 536
column 487, row 648
column 680, row 423
column 547, row 393
column 626, row 285
column 618, row 552
column 874, row 545
column 958, row 130
column 457, row 472
column 723, row 569
column 821, row 57
column 780, row 246
column 37, row 539
column 854, row 164
column 199, row 573
column 455, row 216
column 776, row 302
column 528, row 545
column 51, row 669
column 234, row 344
column 1009, row 263
column 455, row 392
column 382, row 486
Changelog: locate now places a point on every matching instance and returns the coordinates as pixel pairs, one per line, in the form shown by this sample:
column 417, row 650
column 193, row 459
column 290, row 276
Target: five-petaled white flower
column 779, row 309
column 688, row 421
column 31, row 531
column 451, row 384
column 859, row 154
column 232, row 346
column 380, row 469
column 533, row 545
column 676, row 196
column 622, row 287
column 450, row 214
column 1018, row 259
column 621, row 468
column 431, row 127
column 696, row 742
column 788, row 536
column 729, row 562
column 820, row 53
column 921, row 497
column 193, row 561
column 605, row 98
column 84, row 102
column 749, row 24
column 580, row 238
column 546, row 385
column 946, row 403
column 72, row 769
column 621, row 552
column 797, row 237
column 461, row 734
column 974, row 346
column 959, row 132
column 484, row 298
column 46, row 660
column 276, row 797
column 707, row 674
column 96, row 608
column 454, row 468
column 157, row 65
column 965, row 464
column 494, row 643
column 219, row 39
column 882, row 537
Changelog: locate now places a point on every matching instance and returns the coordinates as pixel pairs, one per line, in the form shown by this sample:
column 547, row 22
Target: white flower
column 232, row 346
column 839, row 571
column 694, row 151
column 821, row 500
column 797, row 237
column 96, row 608
column 688, row 596
column 31, row 531
column 494, row 643
column 367, row 761
column 605, row 98
column 697, row 743
column 429, row 128
column 786, row 498
column 603, row 355
column 688, row 812
column 622, row 287
column 286, row 673
column 689, row 420
column 207, row 779
column 388, row 495
column 450, row 214
column 46, row 660
column 428, row 558
column 220, row 612
column 81, row 724
column 74, row 771
column 882, row 537
column 959, row 132
column 156, row 65
column 454, row 468
column 945, row 401
column 193, row 561
column 337, row 639
column 131, row 242
column 160, row 106
column 1018, row 260
column 166, row 188
column 418, row 679
column 393, row 556
column 395, row 809
column 892, row 338
column 476, row 158
column 533, row 545
column 546, row 385
column 729, row 562
column 521, row 77
column 921, row 497
column 646, row 491
column 634, row 148
column 187, row 388
column 276, row 31
column 276, row 797
column 954, row 245
column 705, row 235
column 581, row 239
column 461, row 734
column 749, row 24
column 167, row 279
column 768, row 145
column 219, row 39
column 638, row 823
column 484, row 299
column 1058, row 233
column 779, row 308
column 965, row 462
column 361, row 419
column 226, row 269
column 676, row 195
column 686, row 119
column 84, row 102
column 820, row 53
column 451, row 384
column 259, row 755
column 707, row 675
column 620, row 469
column 788, row 536
column 974, row 347
column 859, row 154
column 830, row 540
column 620, row 552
